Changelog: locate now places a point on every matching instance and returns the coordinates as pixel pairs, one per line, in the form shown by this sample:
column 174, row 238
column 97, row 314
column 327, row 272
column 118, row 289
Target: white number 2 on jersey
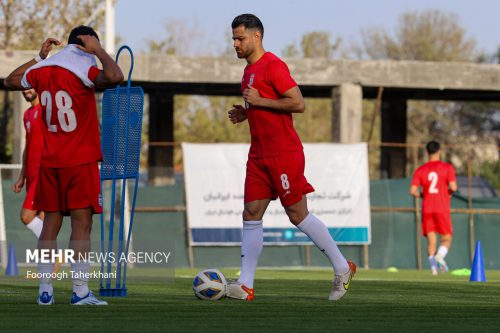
column 65, row 113
column 433, row 178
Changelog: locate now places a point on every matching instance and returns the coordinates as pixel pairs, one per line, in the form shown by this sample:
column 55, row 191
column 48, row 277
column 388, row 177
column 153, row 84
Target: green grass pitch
column 286, row 301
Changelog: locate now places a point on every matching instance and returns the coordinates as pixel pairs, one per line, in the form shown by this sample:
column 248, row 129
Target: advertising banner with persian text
column 214, row 182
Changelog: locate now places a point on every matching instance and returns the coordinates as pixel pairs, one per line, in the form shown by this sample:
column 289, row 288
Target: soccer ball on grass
column 210, row 285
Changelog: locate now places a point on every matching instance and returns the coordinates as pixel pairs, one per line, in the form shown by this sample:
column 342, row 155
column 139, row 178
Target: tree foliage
column 315, row 124
column 432, row 35
column 205, row 119
column 179, row 40
column 429, row 35
column 315, row 44
column 25, row 24
column 491, row 171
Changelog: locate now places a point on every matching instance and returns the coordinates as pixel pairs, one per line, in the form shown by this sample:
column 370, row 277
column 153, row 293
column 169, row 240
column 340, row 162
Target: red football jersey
column 70, row 126
column 435, row 177
column 271, row 131
column 34, row 140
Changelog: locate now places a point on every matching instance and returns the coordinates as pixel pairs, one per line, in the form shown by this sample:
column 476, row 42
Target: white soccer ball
column 210, row 285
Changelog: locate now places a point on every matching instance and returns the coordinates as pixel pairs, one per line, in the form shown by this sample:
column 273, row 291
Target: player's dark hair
column 80, row 31
column 249, row 21
column 432, row 147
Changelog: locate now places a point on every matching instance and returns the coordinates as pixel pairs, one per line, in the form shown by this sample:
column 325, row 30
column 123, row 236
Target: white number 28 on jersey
column 433, row 178
column 65, row 113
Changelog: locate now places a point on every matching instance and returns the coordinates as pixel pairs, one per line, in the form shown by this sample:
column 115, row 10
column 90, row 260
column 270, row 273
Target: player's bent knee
column 296, row 215
column 82, row 227
column 296, row 218
column 446, row 239
column 252, row 214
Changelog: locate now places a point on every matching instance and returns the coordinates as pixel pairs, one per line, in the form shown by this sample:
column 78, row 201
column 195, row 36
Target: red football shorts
column 437, row 222
column 31, row 184
column 65, row 189
column 278, row 176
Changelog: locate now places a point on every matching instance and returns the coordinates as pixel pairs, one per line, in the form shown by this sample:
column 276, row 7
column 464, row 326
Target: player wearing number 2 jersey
column 275, row 166
column 438, row 182
column 69, row 174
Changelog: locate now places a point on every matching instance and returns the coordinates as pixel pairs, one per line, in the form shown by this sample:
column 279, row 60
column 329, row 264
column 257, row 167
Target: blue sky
column 285, row 21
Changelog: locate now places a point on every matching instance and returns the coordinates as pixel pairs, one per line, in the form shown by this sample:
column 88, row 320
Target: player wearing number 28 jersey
column 70, row 116
column 69, row 174
column 438, row 182
column 71, row 138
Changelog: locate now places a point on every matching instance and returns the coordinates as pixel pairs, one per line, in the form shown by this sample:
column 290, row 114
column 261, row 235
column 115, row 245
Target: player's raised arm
column 111, row 73
column 13, row 81
column 291, row 101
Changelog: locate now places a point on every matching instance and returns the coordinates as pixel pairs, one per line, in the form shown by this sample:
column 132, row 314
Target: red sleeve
column 31, row 78
column 93, row 72
column 451, row 175
column 278, row 75
column 416, row 179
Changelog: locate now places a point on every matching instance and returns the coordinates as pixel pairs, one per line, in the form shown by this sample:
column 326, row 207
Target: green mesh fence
column 393, row 233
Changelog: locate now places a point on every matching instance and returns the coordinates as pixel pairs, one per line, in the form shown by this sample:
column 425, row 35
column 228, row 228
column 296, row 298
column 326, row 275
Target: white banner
column 214, row 182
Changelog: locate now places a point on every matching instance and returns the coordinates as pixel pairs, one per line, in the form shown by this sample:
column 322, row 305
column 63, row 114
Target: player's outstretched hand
column 237, row 114
column 18, row 186
column 90, row 44
column 47, row 47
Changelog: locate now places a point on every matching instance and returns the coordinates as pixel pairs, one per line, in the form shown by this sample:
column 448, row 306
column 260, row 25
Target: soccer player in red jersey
column 438, row 183
column 275, row 166
column 69, row 174
column 32, row 218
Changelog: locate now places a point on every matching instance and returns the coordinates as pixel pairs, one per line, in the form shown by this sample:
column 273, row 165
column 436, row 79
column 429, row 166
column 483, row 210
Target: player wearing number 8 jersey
column 69, row 174
column 275, row 166
column 438, row 182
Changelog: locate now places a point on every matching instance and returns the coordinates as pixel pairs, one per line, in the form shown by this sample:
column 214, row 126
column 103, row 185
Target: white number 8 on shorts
column 284, row 181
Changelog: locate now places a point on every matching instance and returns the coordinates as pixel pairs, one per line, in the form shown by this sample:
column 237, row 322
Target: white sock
column 36, row 226
column 80, row 281
column 442, row 251
column 45, row 282
column 252, row 242
column 319, row 234
column 432, row 262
